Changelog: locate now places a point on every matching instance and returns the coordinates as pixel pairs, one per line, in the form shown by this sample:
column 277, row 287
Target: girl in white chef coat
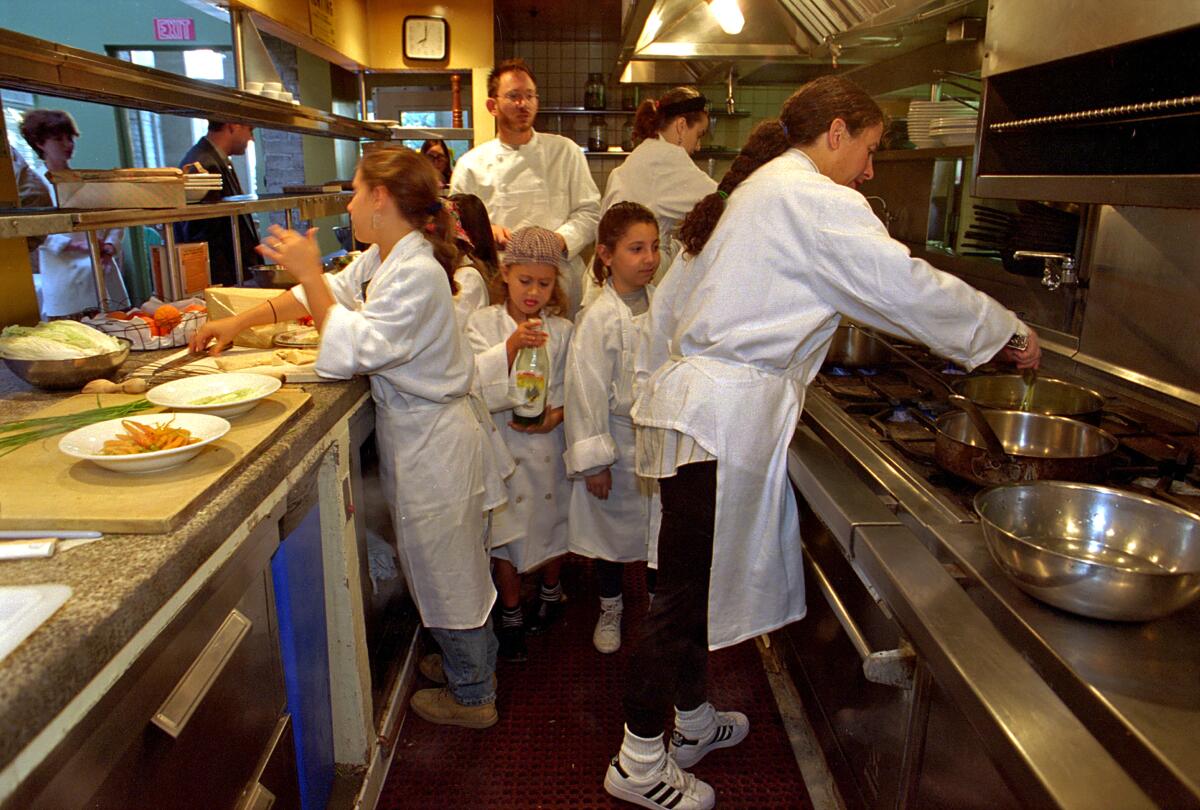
column 737, row 331
column 660, row 173
column 468, row 276
column 389, row 315
column 531, row 530
column 614, row 512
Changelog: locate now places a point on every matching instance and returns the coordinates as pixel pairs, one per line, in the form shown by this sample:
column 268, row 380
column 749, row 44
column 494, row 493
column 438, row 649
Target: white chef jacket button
column 548, row 496
column 547, row 459
column 516, row 461
column 520, row 498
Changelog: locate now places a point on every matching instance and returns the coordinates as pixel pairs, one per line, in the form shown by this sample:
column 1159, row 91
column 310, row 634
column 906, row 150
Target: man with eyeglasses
column 525, row 177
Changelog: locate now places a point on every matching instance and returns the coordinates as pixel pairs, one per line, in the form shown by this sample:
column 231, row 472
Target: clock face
column 425, row 38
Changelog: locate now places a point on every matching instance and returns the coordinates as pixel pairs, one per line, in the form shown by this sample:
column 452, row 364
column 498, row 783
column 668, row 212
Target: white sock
column 697, row 724
column 616, row 603
column 642, row 756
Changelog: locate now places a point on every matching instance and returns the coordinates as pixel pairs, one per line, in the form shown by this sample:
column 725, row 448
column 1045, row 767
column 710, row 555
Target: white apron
column 440, row 524
column 68, row 282
column 756, row 581
column 600, row 433
column 394, row 321
column 532, row 527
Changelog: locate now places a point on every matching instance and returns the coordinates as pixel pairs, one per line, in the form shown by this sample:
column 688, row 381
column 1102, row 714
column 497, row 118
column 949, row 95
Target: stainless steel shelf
column 16, row 222
column 713, row 113
column 28, row 63
column 929, row 153
column 432, row 133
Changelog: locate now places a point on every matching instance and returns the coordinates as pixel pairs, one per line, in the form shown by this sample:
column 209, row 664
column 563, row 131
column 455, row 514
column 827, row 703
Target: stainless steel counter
column 1131, row 689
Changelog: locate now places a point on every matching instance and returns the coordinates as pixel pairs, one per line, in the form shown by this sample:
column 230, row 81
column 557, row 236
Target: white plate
column 86, row 442
column 181, row 395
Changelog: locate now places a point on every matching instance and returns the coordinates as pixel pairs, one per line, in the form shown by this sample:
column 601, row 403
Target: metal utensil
column 1029, row 376
column 992, row 443
column 1093, row 550
column 854, row 347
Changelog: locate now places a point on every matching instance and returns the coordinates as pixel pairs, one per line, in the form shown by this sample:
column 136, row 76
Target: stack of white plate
column 198, row 185
column 941, row 123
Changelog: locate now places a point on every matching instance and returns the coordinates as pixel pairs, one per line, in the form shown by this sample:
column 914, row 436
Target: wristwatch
column 1019, row 342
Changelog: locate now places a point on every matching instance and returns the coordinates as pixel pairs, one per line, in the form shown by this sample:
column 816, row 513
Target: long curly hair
column 414, row 185
column 805, row 116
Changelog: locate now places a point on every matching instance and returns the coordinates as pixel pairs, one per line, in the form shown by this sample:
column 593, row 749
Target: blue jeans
column 469, row 659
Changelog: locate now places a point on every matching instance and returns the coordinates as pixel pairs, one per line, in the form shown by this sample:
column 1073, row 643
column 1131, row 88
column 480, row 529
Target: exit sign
column 174, row 28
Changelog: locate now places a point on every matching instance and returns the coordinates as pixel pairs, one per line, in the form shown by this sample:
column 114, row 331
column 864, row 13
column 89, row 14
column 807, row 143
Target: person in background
column 64, row 260
column 474, row 218
column 614, row 514
column 531, row 531
column 223, row 141
column 660, row 173
column 738, row 329
column 389, row 315
column 440, row 156
column 525, row 177
column 468, row 276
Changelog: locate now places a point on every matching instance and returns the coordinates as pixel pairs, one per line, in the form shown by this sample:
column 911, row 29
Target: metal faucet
column 1064, row 263
column 887, row 215
column 729, row 104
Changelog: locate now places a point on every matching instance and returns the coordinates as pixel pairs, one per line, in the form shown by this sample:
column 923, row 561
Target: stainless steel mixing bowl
column 64, row 375
column 1093, row 550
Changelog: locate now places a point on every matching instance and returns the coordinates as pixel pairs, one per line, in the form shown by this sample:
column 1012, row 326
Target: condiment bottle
column 530, row 371
column 597, row 134
column 593, row 92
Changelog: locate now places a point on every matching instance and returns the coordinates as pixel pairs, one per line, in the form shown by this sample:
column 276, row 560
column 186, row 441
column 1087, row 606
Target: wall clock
column 426, row 38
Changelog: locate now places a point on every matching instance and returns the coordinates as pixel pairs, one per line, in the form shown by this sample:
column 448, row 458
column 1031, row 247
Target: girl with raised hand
column 389, row 314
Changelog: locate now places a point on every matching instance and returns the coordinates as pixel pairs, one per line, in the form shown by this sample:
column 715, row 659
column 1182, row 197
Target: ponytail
column 612, row 228
column 653, row 116
column 806, row 115
column 765, row 143
column 414, row 184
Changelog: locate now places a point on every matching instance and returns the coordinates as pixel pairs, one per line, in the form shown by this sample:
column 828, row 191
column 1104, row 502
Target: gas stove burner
column 842, row 371
column 952, row 370
column 900, row 414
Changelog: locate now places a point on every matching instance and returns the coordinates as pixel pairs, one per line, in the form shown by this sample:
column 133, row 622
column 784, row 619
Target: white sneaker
column 668, row 787
column 731, row 729
column 607, row 636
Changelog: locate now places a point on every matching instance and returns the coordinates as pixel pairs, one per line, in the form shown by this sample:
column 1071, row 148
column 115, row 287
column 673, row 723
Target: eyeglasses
column 516, row 97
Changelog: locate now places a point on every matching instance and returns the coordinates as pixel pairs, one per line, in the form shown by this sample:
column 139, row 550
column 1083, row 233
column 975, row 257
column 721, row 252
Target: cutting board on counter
column 306, row 373
column 42, row 487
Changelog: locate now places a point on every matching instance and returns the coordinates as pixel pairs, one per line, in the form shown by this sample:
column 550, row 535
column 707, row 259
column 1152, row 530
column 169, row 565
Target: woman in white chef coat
column 64, row 260
column 530, row 532
column 614, row 512
column 660, row 173
column 389, row 315
column 738, row 330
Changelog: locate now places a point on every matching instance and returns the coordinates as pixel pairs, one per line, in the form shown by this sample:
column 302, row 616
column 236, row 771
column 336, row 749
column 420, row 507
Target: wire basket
column 145, row 338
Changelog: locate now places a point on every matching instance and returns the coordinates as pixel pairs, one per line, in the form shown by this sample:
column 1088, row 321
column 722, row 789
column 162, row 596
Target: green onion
column 24, row 431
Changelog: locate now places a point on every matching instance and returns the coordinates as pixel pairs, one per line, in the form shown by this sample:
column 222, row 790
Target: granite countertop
column 120, row 581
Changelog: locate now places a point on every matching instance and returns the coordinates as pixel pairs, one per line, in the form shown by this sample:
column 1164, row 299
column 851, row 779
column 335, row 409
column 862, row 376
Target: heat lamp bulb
column 728, row 15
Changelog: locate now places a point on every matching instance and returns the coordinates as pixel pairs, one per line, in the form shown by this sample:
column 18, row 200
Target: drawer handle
column 185, row 698
column 886, row 667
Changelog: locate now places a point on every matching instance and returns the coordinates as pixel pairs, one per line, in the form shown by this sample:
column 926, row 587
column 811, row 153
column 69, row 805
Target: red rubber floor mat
column 560, row 723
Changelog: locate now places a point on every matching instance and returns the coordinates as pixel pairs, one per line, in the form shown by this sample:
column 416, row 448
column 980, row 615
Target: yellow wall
column 18, row 300
column 471, row 33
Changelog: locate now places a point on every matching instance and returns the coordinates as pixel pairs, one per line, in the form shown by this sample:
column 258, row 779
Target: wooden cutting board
column 208, row 365
column 44, row 488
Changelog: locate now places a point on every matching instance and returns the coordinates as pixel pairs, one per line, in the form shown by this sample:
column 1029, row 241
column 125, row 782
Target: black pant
column 609, row 574
column 669, row 664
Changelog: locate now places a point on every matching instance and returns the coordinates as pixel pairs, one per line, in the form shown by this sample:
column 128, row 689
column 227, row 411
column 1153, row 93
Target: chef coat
column 403, row 335
column 663, row 177
column 472, row 293
column 736, row 335
column 600, row 434
column 532, row 527
column 545, row 182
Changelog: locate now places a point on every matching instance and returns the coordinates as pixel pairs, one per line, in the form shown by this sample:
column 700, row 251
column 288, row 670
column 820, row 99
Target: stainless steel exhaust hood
column 782, row 42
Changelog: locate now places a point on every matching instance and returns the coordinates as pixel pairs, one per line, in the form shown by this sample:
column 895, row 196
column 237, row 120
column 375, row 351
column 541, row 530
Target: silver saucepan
column 1049, row 395
column 1092, row 550
column 855, row 347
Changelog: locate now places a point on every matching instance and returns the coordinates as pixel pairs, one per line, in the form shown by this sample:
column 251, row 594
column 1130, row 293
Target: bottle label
column 531, row 394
